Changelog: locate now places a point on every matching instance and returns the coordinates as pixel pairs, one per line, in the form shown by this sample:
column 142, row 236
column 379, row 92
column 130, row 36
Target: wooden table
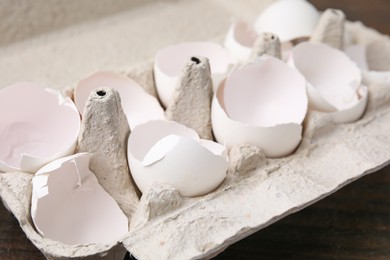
column 353, row 223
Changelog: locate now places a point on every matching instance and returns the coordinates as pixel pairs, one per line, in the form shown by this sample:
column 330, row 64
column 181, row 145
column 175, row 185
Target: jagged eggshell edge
column 354, row 113
column 276, row 141
column 194, row 169
column 69, row 205
column 29, row 91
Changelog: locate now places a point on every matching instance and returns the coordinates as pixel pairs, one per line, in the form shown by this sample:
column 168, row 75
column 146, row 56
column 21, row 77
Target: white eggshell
column 262, row 104
column 138, row 105
column 334, row 81
column 289, row 19
column 37, row 126
column 357, row 53
column 372, row 56
column 167, row 152
column 354, row 113
column 239, row 41
column 169, row 63
column 69, row 205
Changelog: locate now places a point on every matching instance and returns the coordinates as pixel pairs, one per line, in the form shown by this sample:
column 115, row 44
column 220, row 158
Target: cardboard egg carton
column 256, row 193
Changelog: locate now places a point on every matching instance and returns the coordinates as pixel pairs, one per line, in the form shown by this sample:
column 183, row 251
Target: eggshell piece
column 330, row 29
column 138, row 105
column 265, row 93
column 354, row 113
column 289, row 19
column 191, row 100
column 104, row 133
column 170, row 61
column 37, row 126
column 330, row 72
column 266, row 43
column 239, row 40
column 170, row 153
column 378, row 55
column 261, row 104
column 160, row 149
column 69, row 205
column 334, row 81
column 357, row 53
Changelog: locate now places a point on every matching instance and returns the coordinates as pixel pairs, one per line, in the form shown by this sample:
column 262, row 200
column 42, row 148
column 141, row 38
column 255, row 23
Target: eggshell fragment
column 374, row 56
column 170, row 61
column 138, row 105
column 170, row 153
column 289, row 19
column 261, row 104
column 334, row 81
column 37, row 126
column 239, row 40
column 69, row 205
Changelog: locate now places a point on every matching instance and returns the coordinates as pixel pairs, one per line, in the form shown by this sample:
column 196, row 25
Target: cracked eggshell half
column 138, row 105
column 239, row 40
column 333, row 81
column 374, row 56
column 37, row 126
column 171, row 153
column 373, row 60
column 69, row 205
column 289, row 19
column 169, row 63
column 264, row 104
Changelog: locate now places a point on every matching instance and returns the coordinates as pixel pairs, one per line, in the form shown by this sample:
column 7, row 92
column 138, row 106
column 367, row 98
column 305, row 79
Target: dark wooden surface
column 353, row 223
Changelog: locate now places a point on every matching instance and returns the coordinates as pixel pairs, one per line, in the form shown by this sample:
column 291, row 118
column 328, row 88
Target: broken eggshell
column 138, row 105
column 69, row 205
column 169, row 63
column 37, row 126
column 333, row 81
column 170, row 153
column 374, row 56
column 239, row 40
column 289, row 19
column 264, row 104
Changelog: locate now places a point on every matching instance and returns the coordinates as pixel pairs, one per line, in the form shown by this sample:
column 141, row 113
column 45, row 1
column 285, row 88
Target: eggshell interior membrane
column 138, row 105
column 261, row 104
column 333, row 78
column 266, row 93
column 36, row 126
column 168, row 152
column 69, row 205
column 289, row 19
column 239, row 40
column 276, row 141
column 169, row 63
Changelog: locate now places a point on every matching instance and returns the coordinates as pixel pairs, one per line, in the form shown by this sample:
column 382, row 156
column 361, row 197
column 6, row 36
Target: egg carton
column 256, row 193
